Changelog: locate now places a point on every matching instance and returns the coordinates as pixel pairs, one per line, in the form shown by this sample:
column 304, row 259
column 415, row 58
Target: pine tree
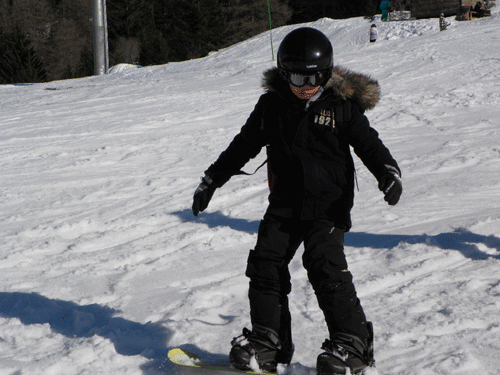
column 154, row 49
column 311, row 10
column 70, row 34
column 247, row 18
column 20, row 63
column 85, row 66
column 123, row 31
column 176, row 31
column 58, row 30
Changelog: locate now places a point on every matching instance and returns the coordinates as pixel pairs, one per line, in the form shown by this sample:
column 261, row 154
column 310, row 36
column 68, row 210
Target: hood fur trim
column 361, row 88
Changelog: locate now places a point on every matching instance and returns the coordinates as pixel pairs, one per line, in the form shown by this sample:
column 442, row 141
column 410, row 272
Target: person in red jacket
column 309, row 117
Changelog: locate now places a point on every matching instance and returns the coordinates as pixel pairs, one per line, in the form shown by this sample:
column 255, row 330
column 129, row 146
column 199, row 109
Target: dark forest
column 45, row 40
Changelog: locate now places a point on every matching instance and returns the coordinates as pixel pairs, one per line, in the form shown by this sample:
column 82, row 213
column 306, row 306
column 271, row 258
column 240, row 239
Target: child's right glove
column 203, row 194
column 391, row 185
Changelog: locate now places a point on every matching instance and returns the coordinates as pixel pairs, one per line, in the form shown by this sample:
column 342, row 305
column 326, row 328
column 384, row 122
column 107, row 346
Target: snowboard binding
column 344, row 351
column 261, row 345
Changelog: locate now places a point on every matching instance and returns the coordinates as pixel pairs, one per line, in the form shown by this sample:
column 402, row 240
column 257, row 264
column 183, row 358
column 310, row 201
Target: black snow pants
column 279, row 236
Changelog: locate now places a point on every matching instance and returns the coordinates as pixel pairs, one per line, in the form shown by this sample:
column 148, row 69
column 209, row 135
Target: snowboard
column 186, row 358
column 194, row 361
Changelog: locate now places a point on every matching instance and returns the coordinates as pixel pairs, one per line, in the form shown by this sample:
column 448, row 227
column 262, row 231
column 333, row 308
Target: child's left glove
column 391, row 185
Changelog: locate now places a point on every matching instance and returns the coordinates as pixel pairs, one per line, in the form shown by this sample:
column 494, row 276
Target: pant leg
column 267, row 268
column 326, row 265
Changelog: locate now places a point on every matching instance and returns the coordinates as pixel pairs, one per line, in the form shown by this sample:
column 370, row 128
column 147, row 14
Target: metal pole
column 100, row 38
column 106, row 47
column 270, row 28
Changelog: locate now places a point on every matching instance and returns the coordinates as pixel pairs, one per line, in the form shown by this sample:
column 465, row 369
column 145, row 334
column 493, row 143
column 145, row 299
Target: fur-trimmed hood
column 361, row 88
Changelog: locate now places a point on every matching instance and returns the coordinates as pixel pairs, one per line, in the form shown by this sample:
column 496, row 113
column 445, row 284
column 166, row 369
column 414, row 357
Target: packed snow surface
column 103, row 267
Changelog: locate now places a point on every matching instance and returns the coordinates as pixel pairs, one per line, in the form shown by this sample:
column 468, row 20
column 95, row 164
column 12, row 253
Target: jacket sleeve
column 367, row 145
column 246, row 145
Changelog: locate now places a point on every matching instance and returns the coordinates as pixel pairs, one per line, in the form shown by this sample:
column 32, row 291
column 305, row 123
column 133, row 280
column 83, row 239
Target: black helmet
column 305, row 50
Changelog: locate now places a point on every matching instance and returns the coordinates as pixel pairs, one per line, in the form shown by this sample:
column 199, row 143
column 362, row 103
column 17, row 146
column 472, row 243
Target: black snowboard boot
column 263, row 345
column 346, row 351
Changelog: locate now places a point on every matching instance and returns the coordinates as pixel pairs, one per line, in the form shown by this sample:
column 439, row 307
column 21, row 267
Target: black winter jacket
column 308, row 146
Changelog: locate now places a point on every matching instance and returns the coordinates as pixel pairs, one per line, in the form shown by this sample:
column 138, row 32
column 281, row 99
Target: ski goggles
column 300, row 80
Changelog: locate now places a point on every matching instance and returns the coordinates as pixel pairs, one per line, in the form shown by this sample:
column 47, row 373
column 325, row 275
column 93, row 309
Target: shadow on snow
column 460, row 240
column 217, row 219
column 129, row 338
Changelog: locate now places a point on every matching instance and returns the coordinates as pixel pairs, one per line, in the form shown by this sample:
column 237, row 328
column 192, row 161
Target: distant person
column 478, row 10
column 385, row 7
column 373, row 33
column 443, row 24
column 309, row 117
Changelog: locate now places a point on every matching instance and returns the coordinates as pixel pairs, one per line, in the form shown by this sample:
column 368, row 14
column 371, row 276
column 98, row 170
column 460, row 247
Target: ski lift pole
column 270, row 29
column 101, row 64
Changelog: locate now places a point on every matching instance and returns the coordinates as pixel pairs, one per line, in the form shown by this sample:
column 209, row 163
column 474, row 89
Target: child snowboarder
column 443, row 24
column 309, row 116
column 373, row 33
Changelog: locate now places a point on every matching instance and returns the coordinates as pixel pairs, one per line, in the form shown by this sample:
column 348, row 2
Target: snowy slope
column 103, row 268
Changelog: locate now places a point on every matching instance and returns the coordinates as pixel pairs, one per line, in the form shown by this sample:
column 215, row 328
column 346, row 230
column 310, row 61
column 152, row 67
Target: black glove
column 391, row 185
column 203, row 194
